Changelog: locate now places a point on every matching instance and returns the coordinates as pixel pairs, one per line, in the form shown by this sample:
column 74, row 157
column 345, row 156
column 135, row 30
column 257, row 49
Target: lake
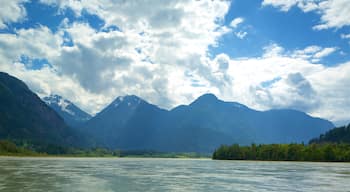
column 140, row 174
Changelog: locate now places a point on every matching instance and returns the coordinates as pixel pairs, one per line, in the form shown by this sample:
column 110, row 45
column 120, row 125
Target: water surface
column 137, row 174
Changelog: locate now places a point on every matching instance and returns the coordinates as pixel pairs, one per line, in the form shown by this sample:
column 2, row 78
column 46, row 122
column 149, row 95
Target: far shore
column 140, row 157
column 112, row 157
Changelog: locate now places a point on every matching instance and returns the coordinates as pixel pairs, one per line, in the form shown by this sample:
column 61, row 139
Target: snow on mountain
column 72, row 114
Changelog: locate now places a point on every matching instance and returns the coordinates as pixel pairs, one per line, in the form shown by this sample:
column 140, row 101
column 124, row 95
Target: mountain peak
column 130, row 100
column 59, row 101
column 206, row 98
column 209, row 96
column 72, row 114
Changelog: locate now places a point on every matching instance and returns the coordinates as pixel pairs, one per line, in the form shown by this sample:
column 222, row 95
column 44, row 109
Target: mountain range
column 131, row 123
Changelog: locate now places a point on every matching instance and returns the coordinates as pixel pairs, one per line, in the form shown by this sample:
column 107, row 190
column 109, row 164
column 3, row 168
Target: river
column 142, row 174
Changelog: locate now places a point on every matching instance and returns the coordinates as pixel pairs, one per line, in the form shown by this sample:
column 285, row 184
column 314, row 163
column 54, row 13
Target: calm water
column 109, row 174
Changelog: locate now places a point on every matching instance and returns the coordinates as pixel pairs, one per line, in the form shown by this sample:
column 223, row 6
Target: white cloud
column 314, row 53
column 286, row 5
column 11, row 11
column 241, row 34
column 235, row 22
column 281, row 80
column 334, row 13
column 35, row 42
column 273, row 50
column 345, row 36
column 283, row 5
column 312, row 49
column 325, row 52
column 46, row 80
column 331, row 85
column 309, row 5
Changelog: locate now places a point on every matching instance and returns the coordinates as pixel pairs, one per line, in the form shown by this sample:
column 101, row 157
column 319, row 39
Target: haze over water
column 138, row 174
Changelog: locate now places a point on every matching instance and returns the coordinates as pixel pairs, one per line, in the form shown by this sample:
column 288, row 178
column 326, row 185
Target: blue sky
column 291, row 30
column 263, row 53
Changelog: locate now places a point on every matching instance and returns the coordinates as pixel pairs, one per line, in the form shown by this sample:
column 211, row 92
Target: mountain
column 131, row 123
column 72, row 115
column 231, row 122
column 24, row 116
column 127, row 123
column 336, row 135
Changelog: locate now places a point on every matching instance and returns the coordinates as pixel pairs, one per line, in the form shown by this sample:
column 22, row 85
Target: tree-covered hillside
column 285, row 152
column 336, row 135
column 334, row 145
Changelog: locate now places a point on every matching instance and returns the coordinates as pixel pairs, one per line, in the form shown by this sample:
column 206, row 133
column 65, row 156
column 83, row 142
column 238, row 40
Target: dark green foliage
column 93, row 152
column 10, row 148
column 285, row 152
column 336, row 135
column 25, row 148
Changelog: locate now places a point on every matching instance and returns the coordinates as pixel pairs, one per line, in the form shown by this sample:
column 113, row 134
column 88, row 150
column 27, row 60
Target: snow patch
column 118, row 101
column 64, row 104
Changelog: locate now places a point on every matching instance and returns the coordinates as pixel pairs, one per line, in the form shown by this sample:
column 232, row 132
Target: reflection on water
column 128, row 174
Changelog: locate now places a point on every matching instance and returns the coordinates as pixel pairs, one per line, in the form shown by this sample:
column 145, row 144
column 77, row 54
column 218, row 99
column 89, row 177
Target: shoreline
column 116, row 157
column 174, row 158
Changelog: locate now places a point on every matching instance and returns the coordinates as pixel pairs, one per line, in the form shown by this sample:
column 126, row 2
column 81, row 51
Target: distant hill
column 336, row 135
column 131, row 123
column 24, row 116
column 72, row 115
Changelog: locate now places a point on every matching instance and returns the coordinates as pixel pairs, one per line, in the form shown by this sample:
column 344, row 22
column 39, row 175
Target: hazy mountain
column 72, row 115
column 132, row 123
column 24, row 116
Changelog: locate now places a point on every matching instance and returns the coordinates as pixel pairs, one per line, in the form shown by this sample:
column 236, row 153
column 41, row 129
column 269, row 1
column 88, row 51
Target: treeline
column 56, row 150
column 285, row 152
column 157, row 154
column 26, row 148
column 11, row 149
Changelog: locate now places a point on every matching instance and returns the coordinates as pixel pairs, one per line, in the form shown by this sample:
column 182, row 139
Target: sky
column 266, row 54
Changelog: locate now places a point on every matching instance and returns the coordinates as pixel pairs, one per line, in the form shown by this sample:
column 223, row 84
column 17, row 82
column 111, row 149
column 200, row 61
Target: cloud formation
column 157, row 51
column 235, row 22
column 11, row 11
column 160, row 51
column 280, row 79
column 314, row 53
